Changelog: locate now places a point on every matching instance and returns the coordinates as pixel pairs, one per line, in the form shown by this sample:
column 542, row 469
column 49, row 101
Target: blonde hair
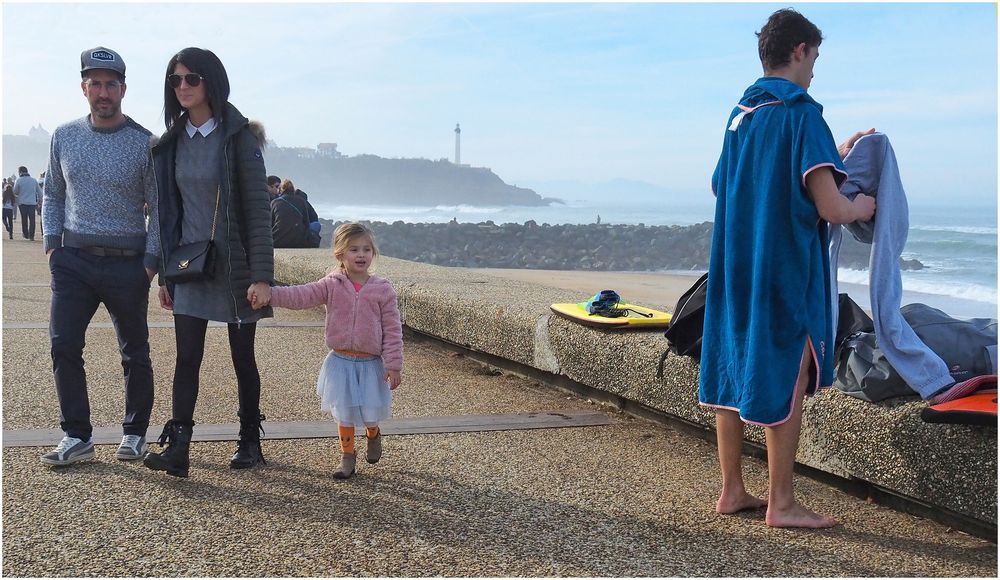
column 342, row 241
column 287, row 185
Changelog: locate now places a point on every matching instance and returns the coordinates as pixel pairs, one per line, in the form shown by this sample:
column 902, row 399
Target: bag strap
column 215, row 216
column 659, row 365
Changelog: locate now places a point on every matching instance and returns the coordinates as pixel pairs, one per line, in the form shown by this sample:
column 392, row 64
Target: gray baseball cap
column 101, row 57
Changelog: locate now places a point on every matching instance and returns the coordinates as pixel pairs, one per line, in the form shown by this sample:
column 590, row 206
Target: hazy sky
column 544, row 92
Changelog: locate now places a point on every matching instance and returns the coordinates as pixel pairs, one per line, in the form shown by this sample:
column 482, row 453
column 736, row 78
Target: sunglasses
column 193, row 79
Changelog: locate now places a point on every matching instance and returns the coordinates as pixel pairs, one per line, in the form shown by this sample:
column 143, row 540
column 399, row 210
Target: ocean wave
column 852, row 276
column 409, row 214
column 415, row 209
column 958, row 229
column 965, row 291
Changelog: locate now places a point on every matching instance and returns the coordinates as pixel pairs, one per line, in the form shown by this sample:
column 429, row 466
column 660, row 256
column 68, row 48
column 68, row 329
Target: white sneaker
column 70, row 450
column 132, row 447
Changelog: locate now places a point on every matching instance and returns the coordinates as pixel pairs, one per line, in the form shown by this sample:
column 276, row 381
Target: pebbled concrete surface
column 630, row 499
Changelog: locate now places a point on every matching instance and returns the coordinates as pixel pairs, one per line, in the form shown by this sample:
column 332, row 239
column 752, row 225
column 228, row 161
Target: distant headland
column 331, row 177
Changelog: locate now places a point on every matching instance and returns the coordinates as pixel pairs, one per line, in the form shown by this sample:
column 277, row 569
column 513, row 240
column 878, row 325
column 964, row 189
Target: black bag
column 687, row 324
column 193, row 262
column 851, row 319
column 190, row 263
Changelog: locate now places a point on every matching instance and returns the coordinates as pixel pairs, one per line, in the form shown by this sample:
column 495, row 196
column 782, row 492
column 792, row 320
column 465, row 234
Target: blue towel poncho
column 768, row 282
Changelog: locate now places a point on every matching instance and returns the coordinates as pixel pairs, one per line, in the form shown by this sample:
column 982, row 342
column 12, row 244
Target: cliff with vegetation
column 359, row 179
column 374, row 180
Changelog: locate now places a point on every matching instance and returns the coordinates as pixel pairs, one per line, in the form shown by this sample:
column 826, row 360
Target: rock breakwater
column 562, row 247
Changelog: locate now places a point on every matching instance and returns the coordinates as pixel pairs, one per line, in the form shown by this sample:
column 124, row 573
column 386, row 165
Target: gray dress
column 197, row 173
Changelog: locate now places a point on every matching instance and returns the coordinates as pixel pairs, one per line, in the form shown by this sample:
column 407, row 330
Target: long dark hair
column 205, row 63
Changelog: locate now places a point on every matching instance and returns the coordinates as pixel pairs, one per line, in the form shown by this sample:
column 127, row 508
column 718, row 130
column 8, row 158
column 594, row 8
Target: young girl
column 365, row 337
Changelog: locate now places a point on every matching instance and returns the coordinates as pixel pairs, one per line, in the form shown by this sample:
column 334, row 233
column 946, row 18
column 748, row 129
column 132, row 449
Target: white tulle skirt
column 353, row 389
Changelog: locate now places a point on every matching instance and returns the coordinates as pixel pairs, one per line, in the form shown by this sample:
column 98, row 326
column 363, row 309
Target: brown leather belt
column 100, row 251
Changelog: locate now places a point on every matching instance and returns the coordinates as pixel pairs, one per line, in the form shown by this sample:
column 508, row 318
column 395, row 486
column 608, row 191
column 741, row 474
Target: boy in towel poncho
column 768, row 336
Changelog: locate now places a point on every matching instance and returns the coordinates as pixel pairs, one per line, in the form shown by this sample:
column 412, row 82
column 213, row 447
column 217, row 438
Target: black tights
column 190, row 333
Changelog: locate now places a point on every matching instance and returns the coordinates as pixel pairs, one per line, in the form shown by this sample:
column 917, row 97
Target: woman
column 212, row 186
column 9, row 203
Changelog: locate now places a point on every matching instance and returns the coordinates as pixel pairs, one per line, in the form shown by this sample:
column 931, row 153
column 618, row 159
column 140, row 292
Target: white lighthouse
column 458, row 145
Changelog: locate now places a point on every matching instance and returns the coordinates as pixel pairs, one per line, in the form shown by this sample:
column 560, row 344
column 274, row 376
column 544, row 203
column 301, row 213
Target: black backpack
column 687, row 324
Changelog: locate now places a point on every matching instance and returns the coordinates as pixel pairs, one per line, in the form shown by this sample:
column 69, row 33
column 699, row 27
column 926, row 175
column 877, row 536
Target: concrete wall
column 886, row 444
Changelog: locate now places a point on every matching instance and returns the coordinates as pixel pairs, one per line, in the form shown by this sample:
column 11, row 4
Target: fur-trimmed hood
column 257, row 128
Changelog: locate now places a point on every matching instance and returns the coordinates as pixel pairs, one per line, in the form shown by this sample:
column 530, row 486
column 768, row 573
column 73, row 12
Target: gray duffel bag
column 968, row 347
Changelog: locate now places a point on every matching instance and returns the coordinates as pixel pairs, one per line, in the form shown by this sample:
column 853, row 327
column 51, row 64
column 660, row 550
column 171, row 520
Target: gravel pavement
column 628, row 499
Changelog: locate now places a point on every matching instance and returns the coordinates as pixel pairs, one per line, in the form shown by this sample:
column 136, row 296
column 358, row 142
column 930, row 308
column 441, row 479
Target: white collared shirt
column 206, row 128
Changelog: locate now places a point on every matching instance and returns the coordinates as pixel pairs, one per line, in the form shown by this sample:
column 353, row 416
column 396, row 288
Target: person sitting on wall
column 290, row 219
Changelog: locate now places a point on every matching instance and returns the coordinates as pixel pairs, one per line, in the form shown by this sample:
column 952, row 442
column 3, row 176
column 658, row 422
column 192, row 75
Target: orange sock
column 371, row 432
column 346, row 438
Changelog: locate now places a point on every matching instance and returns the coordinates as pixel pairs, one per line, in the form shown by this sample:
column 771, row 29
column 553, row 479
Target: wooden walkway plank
column 265, row 323
column 328, row 429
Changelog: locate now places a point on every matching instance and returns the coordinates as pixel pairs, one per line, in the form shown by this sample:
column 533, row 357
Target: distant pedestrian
column 99, row 178
column 213, row 187
column 768, row 338
column 27, row 194
column 9, row 203
column 365, row 337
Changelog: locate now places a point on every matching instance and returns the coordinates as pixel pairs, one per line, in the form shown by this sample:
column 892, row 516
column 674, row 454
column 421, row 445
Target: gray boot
column 374, row 452
column 346, row 467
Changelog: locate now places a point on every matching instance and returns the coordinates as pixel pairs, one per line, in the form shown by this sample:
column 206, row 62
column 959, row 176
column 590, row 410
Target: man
column 99, row 180
column 26, row 192
column 768, row 335
column 273, row 182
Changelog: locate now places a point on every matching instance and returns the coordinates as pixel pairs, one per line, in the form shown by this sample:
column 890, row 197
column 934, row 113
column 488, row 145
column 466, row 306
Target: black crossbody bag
column 193, row 262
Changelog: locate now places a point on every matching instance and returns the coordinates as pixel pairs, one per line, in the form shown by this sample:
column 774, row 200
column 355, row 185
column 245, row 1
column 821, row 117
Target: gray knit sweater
column 98, row 182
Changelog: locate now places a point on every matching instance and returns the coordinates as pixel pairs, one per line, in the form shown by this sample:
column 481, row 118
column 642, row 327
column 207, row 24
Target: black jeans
column 80, row 282
column 8, row 220
column 190, row 333
column 28, row 221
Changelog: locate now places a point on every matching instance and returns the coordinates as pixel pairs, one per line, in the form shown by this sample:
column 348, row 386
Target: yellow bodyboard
column 577, row 312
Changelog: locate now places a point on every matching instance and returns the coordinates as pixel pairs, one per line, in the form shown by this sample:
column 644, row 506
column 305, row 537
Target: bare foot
column 797, row 516
column 737, row 502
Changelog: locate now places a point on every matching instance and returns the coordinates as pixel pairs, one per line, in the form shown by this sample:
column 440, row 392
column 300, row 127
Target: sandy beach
column 662, row 289
column 655, row 289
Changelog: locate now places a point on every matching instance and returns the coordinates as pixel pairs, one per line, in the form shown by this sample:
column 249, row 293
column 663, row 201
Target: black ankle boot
column 173, row 459
column 248, row 453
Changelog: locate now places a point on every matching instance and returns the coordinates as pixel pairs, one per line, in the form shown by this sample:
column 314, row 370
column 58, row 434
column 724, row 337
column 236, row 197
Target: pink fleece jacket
column 359, row 321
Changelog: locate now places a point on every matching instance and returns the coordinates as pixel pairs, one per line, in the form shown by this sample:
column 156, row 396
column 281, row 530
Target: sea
column 957, row 244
